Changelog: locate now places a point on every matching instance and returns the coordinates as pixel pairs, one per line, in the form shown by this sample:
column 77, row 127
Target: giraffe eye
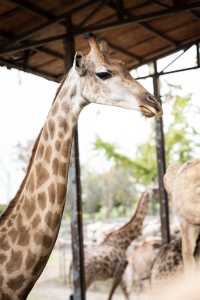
column 104, row 75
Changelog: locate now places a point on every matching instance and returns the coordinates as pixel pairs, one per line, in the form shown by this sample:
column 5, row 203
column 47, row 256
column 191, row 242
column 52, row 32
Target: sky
column 25, row 101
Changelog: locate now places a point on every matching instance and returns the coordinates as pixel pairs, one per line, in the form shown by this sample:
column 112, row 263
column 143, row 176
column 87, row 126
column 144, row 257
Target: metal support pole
column 74, row 194
column 161, row 165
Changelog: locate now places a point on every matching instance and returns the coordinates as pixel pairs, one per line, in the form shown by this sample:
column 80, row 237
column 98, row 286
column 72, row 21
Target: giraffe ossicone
column 29, row 226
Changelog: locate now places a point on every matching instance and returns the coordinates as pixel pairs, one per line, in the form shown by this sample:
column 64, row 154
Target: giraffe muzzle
column 151, row 107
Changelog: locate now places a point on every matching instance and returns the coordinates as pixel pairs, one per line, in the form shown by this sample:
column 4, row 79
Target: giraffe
column 169, row 261
column 141, row 256
column 183, row 184
column 109, row 259
column 30, row 225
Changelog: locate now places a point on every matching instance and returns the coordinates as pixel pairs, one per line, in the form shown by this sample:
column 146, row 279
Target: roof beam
column 161, row 3
column 54, row 20
column 103, row 27
column 10, row 64
column 43, row 49
column 180, row 46
column 146, row 26
column 195, row 14
column 124, row 51
column 32, row 8
column 9, row 14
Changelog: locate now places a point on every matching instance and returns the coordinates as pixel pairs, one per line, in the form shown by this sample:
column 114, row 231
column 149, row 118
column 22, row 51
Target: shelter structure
column 39, row 37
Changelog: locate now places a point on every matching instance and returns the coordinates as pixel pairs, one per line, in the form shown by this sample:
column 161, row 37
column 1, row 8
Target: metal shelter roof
column 138, row 31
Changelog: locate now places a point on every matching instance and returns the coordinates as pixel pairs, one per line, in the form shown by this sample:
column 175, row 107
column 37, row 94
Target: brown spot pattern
column 2, row 258
column 39, row 265
column 57, row 219
column 30, row 260
column 47, row 241
column 42, row 201
column 61, row 135
column 55, row 166
column 52, row 220
column 42, row 174
column 65, row 107
column 6, row 297
column 63, row 169
column 63, row 124
column 31, row 183
column 49, row 219
column 15, row 261
column 36, row 221
column 58, row 145
column 52, row 192
column 19, row 222
column 10, row 223
column 66, row 148
column 29, row 207
column 38, row 238
column 43, row 239
column 51, row 125
column 16, row 283
column 1, row 280
column 48, row 153
column 45, row 133
column 61, row 192
column 24, row 237
column 13, row 235
column 40, row 151
column 4, row 244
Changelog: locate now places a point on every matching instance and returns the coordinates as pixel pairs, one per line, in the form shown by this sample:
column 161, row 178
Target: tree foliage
column 180, row 145
column 111, row 193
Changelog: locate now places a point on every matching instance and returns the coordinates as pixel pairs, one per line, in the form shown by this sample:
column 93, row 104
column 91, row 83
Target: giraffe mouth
column 149, row 111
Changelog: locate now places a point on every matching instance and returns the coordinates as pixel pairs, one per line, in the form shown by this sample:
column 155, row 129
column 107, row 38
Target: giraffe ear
column 79, row 63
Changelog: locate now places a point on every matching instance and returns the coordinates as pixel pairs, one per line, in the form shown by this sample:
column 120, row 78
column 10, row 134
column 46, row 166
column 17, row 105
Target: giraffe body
column 141, row 258
column 29, row 226
column 169, row 261
column 108, row 259
column 183, row 184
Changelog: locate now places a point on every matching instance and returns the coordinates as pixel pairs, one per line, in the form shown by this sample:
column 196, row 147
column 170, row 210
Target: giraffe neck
column 30, row 225
column 123, row 237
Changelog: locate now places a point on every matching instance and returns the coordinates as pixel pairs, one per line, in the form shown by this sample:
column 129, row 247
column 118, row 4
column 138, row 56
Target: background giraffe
column 183, row 184
column 141, row 256
column 109, row 259
column 29, row 227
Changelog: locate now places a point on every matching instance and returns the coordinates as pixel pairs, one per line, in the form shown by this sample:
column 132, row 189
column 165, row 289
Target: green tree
column 180, row 144
column 111, row 193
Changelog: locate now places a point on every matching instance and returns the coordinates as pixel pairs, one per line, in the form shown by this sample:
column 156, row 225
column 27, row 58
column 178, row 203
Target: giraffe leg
column 189, row 234
column 124, row 289
column 119, row 271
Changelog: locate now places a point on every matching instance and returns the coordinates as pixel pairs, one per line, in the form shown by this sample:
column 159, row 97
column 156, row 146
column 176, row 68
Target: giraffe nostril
column 151, row 100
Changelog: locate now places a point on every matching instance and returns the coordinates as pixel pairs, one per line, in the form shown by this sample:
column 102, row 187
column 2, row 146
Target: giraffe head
column 105, row 80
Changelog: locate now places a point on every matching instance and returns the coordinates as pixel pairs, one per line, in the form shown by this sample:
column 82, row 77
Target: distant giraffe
column 29, row 226
column 169, row 261
column 141, row 256
column 109, row 259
